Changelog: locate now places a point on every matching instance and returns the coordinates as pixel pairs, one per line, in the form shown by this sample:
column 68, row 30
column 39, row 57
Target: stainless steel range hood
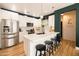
column 9, row 33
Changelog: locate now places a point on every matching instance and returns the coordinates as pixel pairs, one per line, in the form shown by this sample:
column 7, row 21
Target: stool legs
column 52, row 49
column 44, row 52
column 40, row 53
column 49, row 52
column 49, row 49
column 36, row 52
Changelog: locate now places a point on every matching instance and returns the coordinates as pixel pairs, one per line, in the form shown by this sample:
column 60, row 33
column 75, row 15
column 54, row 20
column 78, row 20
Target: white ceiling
column 36, row 9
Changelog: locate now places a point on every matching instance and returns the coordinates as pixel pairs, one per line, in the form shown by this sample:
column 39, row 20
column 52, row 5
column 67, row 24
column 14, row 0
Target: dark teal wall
column 66, row 9
column 77, row 27
column 57, row 23
column 58, row 19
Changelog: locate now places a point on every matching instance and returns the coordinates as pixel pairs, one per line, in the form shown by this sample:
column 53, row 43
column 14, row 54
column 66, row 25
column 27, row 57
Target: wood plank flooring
column 17, row 50
column 67, row 48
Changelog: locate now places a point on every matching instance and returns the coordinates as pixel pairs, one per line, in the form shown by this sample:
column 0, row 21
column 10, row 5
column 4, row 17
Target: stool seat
column 53, row 38
column 48, row 42
column 40, row 47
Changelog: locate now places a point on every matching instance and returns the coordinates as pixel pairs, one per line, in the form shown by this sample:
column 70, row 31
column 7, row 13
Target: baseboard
column 77, row 48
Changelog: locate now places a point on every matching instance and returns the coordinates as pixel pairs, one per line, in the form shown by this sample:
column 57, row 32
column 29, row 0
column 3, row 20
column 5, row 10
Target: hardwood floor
column 67, row 48
column 16, row 50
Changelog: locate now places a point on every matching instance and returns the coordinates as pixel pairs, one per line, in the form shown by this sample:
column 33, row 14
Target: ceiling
column 35, row 9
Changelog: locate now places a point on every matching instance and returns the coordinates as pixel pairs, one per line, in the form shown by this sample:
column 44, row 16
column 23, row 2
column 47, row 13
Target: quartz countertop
column 31, row 40
column 33, row 37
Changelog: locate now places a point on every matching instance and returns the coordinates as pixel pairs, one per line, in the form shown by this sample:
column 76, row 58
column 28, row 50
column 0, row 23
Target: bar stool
column 58, row 37
column 40, row 48
column 56, row 41
column 49, row 46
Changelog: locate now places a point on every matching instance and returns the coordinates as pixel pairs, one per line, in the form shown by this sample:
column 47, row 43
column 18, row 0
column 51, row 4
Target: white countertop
column 35, row 37
column 32, row 40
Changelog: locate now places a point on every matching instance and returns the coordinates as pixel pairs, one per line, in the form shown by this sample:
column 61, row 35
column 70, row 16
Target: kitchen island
column 31, row 40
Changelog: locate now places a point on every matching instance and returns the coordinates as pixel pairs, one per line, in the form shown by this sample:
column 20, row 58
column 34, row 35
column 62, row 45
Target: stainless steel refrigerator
column 9, row 33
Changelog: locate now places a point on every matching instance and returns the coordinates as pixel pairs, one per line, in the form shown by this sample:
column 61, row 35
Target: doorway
column 68, row 26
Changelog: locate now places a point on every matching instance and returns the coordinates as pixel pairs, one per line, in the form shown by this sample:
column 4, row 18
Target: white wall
column 69, row 27
column 51, row 22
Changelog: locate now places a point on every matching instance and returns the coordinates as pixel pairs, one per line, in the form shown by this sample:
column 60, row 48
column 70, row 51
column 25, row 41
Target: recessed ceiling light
column 41, row 17
column 25, row 11
column 62, row 14
column 13, row 7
